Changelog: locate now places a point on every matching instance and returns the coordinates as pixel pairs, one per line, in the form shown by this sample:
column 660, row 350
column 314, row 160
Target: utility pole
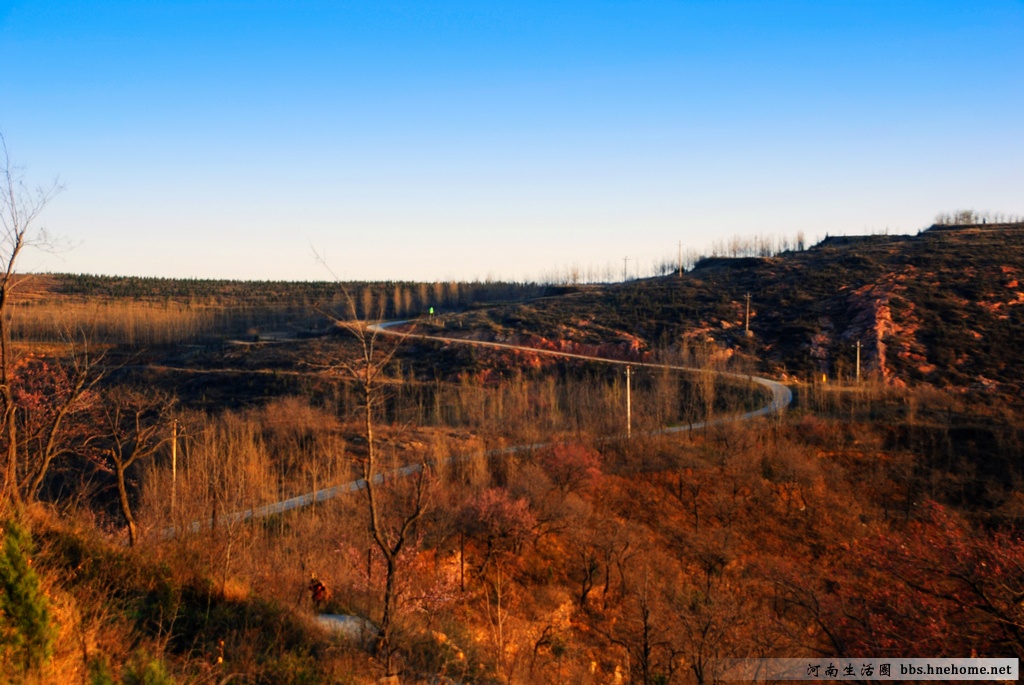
column 174, row 464
column 625, row 264
column 746, row 326
column 629, row 406
column 680, row 259
column 858, row 361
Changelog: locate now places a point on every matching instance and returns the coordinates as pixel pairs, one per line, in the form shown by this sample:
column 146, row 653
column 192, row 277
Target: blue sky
column 505, row 140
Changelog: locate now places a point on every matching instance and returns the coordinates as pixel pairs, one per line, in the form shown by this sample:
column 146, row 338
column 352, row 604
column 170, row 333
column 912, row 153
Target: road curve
column 781, row 397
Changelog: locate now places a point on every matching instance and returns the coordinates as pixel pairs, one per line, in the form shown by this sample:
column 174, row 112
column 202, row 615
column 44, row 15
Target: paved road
column 781, row 397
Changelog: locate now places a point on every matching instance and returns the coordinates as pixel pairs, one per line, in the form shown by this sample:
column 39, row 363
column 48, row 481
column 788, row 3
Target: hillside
column 941, row 308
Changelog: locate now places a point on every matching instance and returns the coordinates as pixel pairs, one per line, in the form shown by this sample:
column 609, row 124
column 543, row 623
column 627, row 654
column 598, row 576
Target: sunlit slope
column 945, row 307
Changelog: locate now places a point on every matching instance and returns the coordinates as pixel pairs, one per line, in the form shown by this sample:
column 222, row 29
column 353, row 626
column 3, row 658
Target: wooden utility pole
column 680, row 258
column 746, row 325
column 858, row 361
column 629, row 406
column 174, row 464
column 625, row 264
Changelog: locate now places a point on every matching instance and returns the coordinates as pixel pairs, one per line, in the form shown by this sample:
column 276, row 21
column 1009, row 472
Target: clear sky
column 471, row 139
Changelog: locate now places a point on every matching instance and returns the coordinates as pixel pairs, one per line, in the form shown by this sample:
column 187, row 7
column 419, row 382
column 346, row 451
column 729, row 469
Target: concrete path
column 781, row 397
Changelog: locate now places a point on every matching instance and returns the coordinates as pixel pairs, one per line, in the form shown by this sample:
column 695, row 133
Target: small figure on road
column 318, row 590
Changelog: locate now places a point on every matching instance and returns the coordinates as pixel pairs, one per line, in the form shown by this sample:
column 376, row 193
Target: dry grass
column 131, row 323
column 144, row 323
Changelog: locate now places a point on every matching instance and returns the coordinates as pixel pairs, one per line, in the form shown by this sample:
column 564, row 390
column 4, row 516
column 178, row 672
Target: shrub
column 99, row 672
column 570, row 466
column 144, row 670
column 25, row 626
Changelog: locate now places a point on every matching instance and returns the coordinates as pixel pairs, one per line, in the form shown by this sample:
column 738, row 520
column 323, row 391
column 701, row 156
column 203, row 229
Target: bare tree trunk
column 126, row 509
column 10, row 488
column 386, row 622
column 10, row 491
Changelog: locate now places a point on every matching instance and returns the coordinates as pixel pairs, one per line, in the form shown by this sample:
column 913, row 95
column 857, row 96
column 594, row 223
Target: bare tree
column 367, row 371
column 20, row 208
column 49, row 440
column 136, row 426
column 640, row 627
